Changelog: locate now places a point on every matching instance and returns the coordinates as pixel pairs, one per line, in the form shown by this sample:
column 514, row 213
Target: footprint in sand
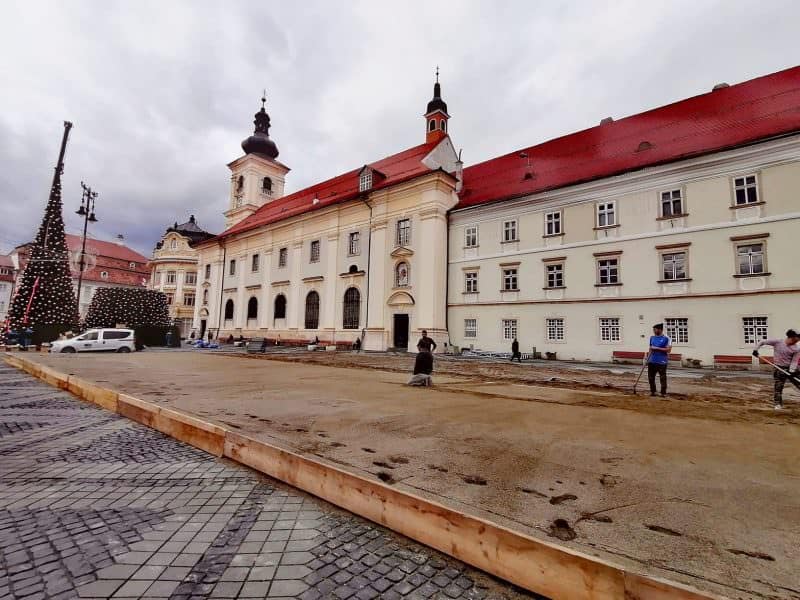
column 385, row 477
column 758, row 555
column 337, row 445
column 474, row 480
column 609, row 480
column 664, row 530
column 438, row 468
column 400, row 460
column 561, row 530
column 370, row 450
column 380, row 463
column 531, row 491
column 562, row 498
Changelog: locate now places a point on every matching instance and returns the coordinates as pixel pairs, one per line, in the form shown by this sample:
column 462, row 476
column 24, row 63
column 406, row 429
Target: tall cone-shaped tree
column 45, row 300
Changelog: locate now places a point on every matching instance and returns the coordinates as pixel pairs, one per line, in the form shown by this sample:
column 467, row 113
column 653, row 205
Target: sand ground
column 702, row 488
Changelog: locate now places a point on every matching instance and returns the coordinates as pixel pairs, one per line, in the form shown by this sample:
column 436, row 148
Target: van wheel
column 68, row 350
column 124, row 349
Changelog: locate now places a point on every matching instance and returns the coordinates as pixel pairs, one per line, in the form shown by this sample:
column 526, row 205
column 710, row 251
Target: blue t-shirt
column 659, row 357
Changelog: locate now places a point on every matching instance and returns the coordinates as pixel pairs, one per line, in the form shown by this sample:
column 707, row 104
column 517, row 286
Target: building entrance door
column 202, row 328
column 401, row 331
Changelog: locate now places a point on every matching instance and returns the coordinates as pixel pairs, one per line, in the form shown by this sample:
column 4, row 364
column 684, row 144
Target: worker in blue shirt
column 658, row 358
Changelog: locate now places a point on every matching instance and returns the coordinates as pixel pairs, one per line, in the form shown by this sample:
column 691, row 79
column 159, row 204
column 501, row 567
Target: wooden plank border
column 540, row 566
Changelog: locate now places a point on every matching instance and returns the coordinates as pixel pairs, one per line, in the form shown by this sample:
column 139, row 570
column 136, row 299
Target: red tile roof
column 396, row 168
column 107, row 249
column 755, row 110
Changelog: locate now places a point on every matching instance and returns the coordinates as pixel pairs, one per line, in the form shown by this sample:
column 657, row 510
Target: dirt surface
column 703, row 488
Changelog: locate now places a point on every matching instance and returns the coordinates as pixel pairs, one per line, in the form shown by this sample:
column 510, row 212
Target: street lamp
column 87, row 212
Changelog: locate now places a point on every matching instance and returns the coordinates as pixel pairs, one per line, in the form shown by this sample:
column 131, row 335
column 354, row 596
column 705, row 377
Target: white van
column 97, row 340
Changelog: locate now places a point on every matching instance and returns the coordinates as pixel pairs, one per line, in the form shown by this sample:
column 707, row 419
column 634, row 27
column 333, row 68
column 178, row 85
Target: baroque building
column 683, row 214
column 174, row 271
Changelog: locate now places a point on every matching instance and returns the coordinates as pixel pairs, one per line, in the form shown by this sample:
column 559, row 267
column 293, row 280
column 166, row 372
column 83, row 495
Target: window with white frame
column 365, row 180
column 132, row 265
column 232, row 267
column 188, row 299
column 606, row 214
column 171, row 278
column 403, row 237
column 510, row 231
column 510, row 280
column 608, row 271
column 191, row 277
column 509, row 329
column 552, row 223
column 314, row 251
column 283, row 257
column 610, row 329
column 554, row 328
column 673, row 266
column 170, row 298
column 745, row 190
column 354, row 243
column 677, row 329
column 471, row 236
column 208, row 272
column 750, row 259
column 255, row 263
column 173, row 244
column 754, row 329
column 470, row 328
column 471, row 282
column 555, row 275
column 671, row 203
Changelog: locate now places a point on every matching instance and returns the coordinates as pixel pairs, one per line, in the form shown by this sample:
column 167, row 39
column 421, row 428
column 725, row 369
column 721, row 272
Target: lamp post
column 87, row 212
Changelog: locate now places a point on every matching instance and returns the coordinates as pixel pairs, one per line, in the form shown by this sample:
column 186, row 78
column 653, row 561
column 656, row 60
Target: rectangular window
column 745, row 190
column 750, row 259
column 509, row 329
column 471, row 282
column 610, row 330
column 470, row 328
column 208, row 271
column 171, row 278
column 354, row 243
column 471, row 236
column 608, row 271
column 365, row 180
column 314, row 251
column 755, row 329
column 232, row 267
column 170, row 298
column 671, row 203
column 403, row 232
column 552, row 223
column 606, row 214
column 255, row 263
column 283, row 257
column 673, row 266
column 188, row 299
column 191, row 277
column 510, row 280
column 510, row 231
column 555, row 275
column 555, row 330
column 677, row 329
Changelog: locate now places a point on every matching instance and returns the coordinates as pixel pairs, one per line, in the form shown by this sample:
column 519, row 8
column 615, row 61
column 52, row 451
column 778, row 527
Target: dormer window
column 173, row 245
column 365, row 180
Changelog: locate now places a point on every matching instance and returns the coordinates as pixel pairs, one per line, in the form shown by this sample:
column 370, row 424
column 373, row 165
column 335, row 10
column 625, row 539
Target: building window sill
column 470, row 247
column 745, row 275
column 509, row 291
column 671, row 217
column 602, row 227
column 555, row 287
column 475, row 293
column 737, row 206
column 674, row 280
column 510, row 241
column 607, row 284
column 553, row 235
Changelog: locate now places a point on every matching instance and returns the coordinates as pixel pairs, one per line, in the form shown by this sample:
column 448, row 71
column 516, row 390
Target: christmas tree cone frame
column 555, row 571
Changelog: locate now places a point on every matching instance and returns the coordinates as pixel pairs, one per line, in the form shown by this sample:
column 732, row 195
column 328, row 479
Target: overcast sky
column 161, row 94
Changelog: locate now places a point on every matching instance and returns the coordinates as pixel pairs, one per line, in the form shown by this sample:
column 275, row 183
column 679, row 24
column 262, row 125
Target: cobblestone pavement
column 95, row 506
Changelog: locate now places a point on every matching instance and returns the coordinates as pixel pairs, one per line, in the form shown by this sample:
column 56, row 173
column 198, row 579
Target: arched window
column 266, row 184
column 432, row 125
column 401, row 277
column 252, row 308
column 312, row 310
column 444, row 125
column 229, row 310
column 352, row 308
column 240, row 183
column 280, row 306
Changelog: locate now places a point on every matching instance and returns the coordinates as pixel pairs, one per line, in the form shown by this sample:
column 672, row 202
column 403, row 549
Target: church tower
column 436, row 115
column 257, row 178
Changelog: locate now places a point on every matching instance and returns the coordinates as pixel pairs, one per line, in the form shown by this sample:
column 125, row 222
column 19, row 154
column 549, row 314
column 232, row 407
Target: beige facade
column 174, row 272
column 370, row 268
column 706, row 245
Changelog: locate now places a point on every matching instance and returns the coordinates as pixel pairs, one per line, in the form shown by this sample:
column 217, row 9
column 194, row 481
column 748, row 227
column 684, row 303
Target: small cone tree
column 45, row 300
column 145, row 311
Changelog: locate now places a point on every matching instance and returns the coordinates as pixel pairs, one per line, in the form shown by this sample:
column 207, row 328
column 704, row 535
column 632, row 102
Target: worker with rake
column 657, row 359
column 785, row 356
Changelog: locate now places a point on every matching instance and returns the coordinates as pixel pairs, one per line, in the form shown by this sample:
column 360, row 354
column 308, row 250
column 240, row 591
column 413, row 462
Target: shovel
column 644, row 364
column 792, row 380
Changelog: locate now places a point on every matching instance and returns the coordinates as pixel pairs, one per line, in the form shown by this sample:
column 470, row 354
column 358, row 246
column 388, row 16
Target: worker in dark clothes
column 658, row 359
column 426, row 343
column 423, row 365
column 515, row 353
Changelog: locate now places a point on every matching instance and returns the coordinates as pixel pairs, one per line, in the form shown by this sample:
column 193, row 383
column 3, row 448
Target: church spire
column 436, row 116
column 259, row 142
